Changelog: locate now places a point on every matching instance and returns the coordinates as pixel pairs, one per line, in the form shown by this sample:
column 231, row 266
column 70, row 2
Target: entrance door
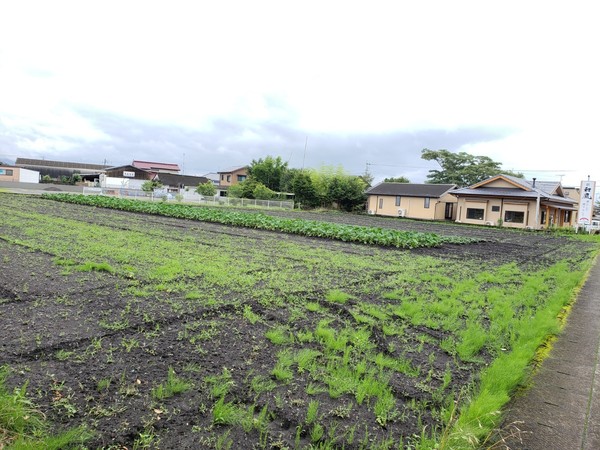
column 449, row 211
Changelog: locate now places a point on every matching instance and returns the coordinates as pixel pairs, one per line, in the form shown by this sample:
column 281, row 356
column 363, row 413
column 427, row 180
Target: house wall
column 495, row 212
column 499, row 183
column 231, row 178
column 120, row 183
column 9, row 174
column 414, row 207
column 128, row 172
column 19, row 175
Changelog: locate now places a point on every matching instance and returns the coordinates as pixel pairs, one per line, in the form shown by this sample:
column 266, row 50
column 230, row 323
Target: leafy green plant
column 349, row 233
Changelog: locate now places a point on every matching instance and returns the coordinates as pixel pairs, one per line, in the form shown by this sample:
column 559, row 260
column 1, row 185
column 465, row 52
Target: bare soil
column 56, row 335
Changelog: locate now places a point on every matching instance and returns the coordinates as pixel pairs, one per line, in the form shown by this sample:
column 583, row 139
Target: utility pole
column 304, row 157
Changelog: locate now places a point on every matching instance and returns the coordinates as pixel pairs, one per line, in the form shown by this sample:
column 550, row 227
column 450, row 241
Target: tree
column 396, row 180
column 235, row 191
column 462, row 168
column 207, row 189
column 304, row 190
column 268, row 171
column 261, row 192
column 150, row 185
column 347, row 192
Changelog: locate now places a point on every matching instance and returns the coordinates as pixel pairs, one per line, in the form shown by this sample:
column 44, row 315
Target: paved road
column 561, row 411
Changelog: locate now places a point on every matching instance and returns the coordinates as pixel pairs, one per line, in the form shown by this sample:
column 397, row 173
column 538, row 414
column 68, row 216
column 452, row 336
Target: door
column 449, row 211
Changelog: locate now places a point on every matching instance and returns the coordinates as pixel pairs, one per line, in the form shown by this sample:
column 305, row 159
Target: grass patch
column 174, row 385
column 23, row 426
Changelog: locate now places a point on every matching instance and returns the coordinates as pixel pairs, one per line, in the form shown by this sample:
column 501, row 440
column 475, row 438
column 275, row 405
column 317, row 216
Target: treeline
column 327, row 187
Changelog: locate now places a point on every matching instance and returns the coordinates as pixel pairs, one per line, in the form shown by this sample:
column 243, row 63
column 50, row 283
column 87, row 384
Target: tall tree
column 268, row 171
column 304, row 190
column 347, row 192
column 462, row 168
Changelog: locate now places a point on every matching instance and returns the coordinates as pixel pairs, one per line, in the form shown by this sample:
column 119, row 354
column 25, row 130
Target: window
column 229, row 178
column 241, row 178
column 8, row 172
column 222, row 177
column 426, row 202
column 475, row 213
column 380, row 203
column 514, row 216
column 398, row 198
column 495, row 208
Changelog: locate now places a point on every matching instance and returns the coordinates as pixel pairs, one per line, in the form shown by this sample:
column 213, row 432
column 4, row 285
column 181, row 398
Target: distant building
column 156, row 167
column 517, row 203
column 416, row 201
column 176, row 183
column 232, row 176
column 212, row 176
column 124, row 177
column 58, row 169
column 18, row 174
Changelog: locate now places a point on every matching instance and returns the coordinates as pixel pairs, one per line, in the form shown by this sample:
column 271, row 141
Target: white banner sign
column 586, row 202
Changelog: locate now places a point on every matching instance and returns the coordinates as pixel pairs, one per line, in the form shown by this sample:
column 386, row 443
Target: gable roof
column 24, row 162
column 126, row 167
column 150, row 165
column 410, row 189
column 233, row 169
column 544, row 190
column 172, row 179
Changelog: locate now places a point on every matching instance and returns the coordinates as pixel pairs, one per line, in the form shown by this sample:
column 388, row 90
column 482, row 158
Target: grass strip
column 481, row 415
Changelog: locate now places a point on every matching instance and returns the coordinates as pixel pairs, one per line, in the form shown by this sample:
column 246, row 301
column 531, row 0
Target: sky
column 363, row 85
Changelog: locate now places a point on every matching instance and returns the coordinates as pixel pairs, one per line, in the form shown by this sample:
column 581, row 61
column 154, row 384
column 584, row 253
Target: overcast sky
column 213, row 84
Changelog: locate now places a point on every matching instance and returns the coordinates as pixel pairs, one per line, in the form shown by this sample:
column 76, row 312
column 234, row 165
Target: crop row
column 311, row 228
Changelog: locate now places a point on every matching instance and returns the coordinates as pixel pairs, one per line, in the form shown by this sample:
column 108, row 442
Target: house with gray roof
column 416, row 201
column 515, row 202
column 176, row 183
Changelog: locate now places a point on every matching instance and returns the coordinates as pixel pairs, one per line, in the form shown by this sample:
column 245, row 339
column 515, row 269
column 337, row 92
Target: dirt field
column 97, row 306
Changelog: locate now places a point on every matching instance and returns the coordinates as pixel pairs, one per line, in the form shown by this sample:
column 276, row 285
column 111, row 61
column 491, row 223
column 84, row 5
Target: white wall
column 29, row 176
column 120, row 183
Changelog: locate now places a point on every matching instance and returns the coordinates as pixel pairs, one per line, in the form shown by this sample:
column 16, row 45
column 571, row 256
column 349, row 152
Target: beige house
column 233, row 175
column 416, row 201
column 514, row 202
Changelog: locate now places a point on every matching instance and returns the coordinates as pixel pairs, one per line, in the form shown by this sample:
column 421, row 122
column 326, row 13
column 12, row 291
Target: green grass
column 23, row 426
column 348, row 328
column 174, row 385
column 337, row 296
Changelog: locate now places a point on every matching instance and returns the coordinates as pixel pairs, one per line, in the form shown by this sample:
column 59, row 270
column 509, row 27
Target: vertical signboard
column 586, row 202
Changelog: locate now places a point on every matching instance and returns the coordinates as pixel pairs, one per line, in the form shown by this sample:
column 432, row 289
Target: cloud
column 226, row 142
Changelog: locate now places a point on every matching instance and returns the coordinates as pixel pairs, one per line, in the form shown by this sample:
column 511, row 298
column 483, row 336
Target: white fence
column 189, row 197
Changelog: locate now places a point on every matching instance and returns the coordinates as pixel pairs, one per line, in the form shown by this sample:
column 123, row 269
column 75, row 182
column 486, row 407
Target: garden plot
column 159, row 332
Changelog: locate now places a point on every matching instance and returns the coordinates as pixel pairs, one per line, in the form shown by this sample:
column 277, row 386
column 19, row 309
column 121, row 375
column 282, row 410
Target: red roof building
column 157, row 167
